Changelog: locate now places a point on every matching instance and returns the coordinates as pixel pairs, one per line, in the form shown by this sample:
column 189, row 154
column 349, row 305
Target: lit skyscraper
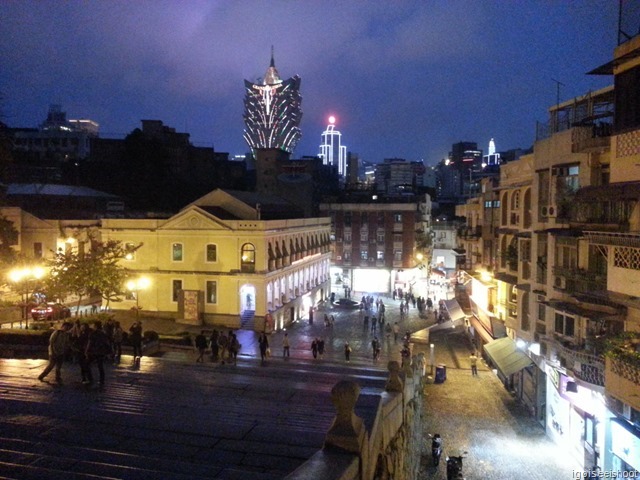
column 332, row 151
column 272, row 111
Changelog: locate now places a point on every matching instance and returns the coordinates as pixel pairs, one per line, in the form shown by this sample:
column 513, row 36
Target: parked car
column 50, row 311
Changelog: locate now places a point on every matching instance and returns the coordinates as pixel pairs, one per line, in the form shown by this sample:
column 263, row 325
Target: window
column 380, row 255
column 176, row 252
column 397, row 238
column 541, row 312
column 212, row 252
column 364, row 218
column 364, row 237
column 248, row 258
column 381, row 238
column 212, row 292
column 364, row 254
column 397, row 217
column 347, row 219
column 397, row 255
column 565, row 325
column 346, row 255
column 176, row 286
column 37, row 249
column 347, row 238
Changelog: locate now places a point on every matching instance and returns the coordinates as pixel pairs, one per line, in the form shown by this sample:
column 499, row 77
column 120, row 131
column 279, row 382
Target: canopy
column 506, row 357
column 454, row 309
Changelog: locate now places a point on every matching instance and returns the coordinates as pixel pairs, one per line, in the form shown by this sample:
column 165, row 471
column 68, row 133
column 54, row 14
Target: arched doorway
column 247, row 298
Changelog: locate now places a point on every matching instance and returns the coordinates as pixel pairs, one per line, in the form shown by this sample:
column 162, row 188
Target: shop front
column 577, row 417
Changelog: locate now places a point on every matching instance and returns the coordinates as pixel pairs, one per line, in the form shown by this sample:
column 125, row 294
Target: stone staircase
column 248, row 320
column 173, row 420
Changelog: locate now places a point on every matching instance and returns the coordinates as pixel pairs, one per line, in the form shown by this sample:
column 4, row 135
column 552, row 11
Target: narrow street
column 479, row 416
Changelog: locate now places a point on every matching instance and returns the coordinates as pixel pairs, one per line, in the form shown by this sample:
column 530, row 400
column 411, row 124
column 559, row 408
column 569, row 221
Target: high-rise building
column 272, row 111
column 332, row 151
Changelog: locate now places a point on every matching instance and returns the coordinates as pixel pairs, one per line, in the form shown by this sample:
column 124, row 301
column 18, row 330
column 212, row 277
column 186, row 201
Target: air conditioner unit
column 560, row 283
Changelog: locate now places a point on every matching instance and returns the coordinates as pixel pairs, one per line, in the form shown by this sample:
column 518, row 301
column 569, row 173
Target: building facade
column 216, row 262
column 565, row 283
column 377, row 240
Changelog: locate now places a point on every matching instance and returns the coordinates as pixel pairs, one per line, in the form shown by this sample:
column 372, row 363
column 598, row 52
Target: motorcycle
column 436, row 448
column 454, row 467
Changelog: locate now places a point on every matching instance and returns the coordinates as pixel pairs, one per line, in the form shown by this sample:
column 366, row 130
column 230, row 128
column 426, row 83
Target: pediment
column 194, row 218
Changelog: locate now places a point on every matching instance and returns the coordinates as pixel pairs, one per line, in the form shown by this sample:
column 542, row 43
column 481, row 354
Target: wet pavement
column 473, row 414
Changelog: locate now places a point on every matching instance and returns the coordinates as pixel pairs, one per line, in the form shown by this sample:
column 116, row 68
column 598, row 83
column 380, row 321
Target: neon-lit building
column 332, row 151
column 272, row 111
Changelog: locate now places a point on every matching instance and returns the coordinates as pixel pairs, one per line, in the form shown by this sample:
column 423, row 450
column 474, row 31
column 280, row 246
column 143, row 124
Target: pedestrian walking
column 215, row 348
column 223, row 343
column 321, row 347
column 314, row 348
column 396, row 330
column 473, row 360
column 135, row 339
column 234, row 348
column 374, row 323
column 347, row 352
column 263, row 344
column 201, row 346
column 285, row 346
column 98, row 348
column 118, row 337
column 59, row 344
column 375, row 346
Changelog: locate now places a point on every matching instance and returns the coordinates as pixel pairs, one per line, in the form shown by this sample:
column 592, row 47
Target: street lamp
column 134, row 286
column 22, row 277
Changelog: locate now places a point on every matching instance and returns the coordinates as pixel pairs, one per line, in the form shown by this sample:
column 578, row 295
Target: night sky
column 404, row 79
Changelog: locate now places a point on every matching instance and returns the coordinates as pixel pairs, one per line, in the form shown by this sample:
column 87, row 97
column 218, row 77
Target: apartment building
column 377, row 241
column 566, row 281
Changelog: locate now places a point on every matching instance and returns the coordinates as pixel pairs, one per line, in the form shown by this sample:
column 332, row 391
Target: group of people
column 89, row 344
column 224, row 347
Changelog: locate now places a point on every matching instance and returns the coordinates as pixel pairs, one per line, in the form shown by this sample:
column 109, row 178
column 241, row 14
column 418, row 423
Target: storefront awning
column 454, row 309
column 506, row 357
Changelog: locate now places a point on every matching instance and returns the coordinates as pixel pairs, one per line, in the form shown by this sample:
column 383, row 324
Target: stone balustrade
column 374, row 436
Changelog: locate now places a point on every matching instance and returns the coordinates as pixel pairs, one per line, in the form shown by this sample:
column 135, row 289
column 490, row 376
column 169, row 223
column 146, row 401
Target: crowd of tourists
column 88, row 344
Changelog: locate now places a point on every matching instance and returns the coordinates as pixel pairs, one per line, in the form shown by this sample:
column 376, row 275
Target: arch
column 248, row 258
column 247, row 297
column 526, row 205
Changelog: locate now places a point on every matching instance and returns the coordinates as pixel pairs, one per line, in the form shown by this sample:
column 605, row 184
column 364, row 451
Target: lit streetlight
column 22, row 278
column 134, row 286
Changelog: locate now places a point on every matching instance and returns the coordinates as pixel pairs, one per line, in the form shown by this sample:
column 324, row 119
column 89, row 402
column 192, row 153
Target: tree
column 97, row 272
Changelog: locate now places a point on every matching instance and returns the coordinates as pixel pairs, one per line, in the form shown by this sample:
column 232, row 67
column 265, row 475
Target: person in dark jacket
column 135, row 339
column 201, row 346
column 98, row 348
column 263, row 343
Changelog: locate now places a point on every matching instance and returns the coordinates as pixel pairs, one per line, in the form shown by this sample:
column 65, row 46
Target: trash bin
column 441, row 373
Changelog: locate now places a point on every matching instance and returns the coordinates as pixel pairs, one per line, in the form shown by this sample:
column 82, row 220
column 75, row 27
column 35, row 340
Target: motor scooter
column 436, row 448
column 454, row 467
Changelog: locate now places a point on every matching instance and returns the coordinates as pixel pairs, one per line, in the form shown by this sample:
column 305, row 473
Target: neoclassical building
column 231, row 259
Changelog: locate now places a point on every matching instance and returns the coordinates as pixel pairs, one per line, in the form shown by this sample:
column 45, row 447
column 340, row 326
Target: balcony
column 585, row 366
column 622, row 380
column 579, row 280
column 622, row 372
column 470, row 232
column 592, row 138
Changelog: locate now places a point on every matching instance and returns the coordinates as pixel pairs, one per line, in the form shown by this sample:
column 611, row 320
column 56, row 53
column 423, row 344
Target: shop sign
column 625, row 445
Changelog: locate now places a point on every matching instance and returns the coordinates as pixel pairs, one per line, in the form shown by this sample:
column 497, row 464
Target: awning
column 454, row 309
column 506, row 357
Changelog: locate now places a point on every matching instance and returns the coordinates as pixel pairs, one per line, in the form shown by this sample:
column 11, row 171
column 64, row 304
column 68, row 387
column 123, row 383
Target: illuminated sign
column 625, row 445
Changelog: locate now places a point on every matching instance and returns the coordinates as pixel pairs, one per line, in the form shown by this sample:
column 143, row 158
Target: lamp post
column 22, row 277
column 134, row 286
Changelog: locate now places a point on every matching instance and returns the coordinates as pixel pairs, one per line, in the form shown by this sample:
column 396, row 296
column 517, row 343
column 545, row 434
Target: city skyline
column 405, row 80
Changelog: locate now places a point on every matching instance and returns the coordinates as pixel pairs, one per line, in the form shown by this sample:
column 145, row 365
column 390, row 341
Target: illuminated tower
column 272, row 111
column 332, row 151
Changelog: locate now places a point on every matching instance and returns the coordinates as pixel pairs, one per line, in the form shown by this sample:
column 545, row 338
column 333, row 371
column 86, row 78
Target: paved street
column 473, row 414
